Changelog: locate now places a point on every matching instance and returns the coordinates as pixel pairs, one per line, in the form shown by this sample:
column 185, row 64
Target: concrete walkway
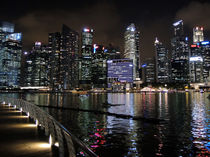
column 19, row 137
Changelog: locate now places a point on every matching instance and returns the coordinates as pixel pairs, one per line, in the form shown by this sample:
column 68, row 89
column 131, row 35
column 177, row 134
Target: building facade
column 10, row 56
column 99, row 67
column 86, row 57
column 63, row 60
column 162, row 63
column 149, row 71
column 120, row 74
column 198, row 35
column 131, row 48
column 36, row 66
column 180, row 55
column 205, row 53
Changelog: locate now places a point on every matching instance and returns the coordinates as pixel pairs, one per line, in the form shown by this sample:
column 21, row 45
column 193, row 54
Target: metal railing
column 68, row 144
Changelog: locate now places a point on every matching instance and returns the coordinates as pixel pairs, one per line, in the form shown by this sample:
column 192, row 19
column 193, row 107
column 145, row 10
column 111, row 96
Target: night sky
column 108, row 18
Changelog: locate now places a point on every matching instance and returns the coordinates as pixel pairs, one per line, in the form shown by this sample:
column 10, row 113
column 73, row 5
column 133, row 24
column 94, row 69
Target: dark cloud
column 103, row 18
column 109, row 22
column 195, row 14
column 160, row 28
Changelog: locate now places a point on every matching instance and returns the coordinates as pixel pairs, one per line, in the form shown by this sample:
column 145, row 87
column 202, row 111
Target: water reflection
column 200, row 125
column 185, row 131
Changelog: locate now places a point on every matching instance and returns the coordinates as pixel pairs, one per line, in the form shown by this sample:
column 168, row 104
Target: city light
column 95, row 47
column 177, row 23
column 194, row 59
column 193, row 45
column 86, row 30
column 205, row 43
column 144, row 65
column 38, row 43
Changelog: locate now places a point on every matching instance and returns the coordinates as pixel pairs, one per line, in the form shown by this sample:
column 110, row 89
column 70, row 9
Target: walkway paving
column 19, row 137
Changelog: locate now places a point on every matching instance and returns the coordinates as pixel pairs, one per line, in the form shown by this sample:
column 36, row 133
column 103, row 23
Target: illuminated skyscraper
column 198, row 35
column 99, row 67
column 180, row 55
column 200, row 62
column 36, row 66
column 131, row 50
column 148, row 71
column 196, row 64
column 10, row 56
column 86, row 56
column 162, row 63
column 205, row 53
column 63, row 62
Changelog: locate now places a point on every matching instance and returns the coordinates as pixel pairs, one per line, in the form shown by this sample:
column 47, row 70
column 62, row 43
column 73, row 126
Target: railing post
column 60, row 140
column 70, row 145
column 58, row 133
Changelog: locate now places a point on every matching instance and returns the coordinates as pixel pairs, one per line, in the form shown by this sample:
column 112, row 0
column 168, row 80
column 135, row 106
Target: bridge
column 27, row 130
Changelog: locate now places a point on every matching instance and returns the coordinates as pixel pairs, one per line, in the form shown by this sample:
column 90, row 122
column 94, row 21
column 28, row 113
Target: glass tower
column 162, row 63
column 36, row 66
column 131, row 49
column 10, row 56
column 180, row 55
column 86, row 56
column 63, row 61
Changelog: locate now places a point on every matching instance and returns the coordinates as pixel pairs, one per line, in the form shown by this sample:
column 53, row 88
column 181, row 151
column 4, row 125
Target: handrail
column 67, row 141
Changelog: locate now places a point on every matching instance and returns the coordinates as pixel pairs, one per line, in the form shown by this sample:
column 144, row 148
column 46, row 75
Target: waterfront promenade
column 20, row 136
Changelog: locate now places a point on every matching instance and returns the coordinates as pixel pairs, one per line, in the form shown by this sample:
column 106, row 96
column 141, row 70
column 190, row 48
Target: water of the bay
column 184, row 131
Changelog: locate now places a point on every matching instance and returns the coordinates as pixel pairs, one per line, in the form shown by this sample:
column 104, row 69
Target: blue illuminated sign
column 205, row 42
column 144, row 65
column 14, row 36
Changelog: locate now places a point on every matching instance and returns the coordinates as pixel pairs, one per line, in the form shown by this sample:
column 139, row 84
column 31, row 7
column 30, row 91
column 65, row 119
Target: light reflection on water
column 185, row 131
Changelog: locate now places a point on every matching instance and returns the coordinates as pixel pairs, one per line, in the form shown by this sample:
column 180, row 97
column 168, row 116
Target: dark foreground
column 20, row 137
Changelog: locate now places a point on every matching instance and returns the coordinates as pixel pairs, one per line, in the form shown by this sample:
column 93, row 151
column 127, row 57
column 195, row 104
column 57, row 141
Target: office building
column 36, row 66
column 86, row 57
column 120, row 74
column 198, row 35
column 205, row 53
column 162, row 63
column 10, row 56
column 131, row 49
column 63, row 60
column 148, row 71
column 99, row 66
column 180, row 55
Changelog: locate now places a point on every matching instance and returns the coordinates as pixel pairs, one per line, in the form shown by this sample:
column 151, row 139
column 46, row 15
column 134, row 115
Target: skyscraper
column 86, row 56
column 36, row 66
column 198, row 35
column 205, row 53
column 196, row 64
column 99, row 67
column 10, row 56
column 162, row 63
column 148, row 71
column 64, row 51
column 131, row 50
column 180, row 55
column 70, row 54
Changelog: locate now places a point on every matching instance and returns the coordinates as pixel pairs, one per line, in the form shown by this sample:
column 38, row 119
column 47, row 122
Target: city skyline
column 109, row 19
